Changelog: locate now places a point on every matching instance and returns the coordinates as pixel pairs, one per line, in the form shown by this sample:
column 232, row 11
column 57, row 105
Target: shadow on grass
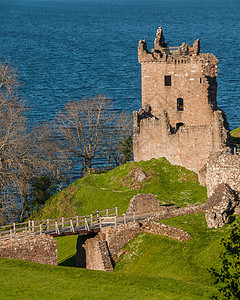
column 236, row 140
column 69, row 262
column 231, row 219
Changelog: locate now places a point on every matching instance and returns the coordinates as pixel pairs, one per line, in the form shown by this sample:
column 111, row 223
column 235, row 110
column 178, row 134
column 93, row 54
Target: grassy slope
column 170, row 184
column 25, row 280
column 165, row 258
column 153, row 267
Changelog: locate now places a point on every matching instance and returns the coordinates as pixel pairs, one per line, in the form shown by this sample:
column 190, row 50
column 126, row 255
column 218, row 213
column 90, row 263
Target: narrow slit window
column 168, row 80
column 179, row 104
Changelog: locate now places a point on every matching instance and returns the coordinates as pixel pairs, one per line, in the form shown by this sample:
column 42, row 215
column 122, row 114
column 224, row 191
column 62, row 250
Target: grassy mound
column 161, row 257
column 170, row 185
column 236, row 135
column 153, row 267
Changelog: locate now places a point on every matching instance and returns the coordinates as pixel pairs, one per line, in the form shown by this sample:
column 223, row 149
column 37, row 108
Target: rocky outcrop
column 220, row 206
column 135, row 178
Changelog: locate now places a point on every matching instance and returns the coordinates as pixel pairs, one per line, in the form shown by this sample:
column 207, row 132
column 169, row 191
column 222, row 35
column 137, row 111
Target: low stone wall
column 166, row 230
column 97, row 255
column 37, row 248
column 223, row 167
column 174, row 211
column 117, row 237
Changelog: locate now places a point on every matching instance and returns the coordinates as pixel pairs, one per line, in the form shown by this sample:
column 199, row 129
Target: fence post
column 11, row 236
column 71, row 226
column 48, row 226
column 29, row 225
column 100, row 224
column 124, row 219
column 77, row 221
column 62, row 222
column 32, row 225
column 116, row 210
column 86, row 224
column 41, row 227
column 14, row 227
column 97, row 214
column 115, row 221
column 91, row 217
column 26, row 230
column 107, row 212
column 56, row 227
column 235, row 150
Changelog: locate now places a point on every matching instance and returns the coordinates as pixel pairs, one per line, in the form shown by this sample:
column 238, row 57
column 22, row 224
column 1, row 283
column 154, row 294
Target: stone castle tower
column 179, row 118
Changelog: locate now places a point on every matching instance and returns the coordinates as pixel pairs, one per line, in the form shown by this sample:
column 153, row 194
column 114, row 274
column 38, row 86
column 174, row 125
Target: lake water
column 67, row 49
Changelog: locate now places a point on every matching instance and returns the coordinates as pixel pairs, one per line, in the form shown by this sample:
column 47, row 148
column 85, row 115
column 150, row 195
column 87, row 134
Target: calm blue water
column 66, row 49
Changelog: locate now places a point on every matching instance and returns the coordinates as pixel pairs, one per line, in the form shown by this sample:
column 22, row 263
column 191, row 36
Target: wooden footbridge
column 68, row 226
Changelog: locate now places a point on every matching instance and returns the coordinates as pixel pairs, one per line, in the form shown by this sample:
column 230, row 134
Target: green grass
column 186, row 261
column 67, row 250
column 153, row 267
column 170, row 185
column 236, row 135
column 25, row 280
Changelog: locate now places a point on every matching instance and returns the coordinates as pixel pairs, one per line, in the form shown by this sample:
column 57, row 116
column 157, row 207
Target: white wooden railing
column 64, row 225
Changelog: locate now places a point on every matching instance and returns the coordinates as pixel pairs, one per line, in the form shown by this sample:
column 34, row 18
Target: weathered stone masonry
column 104, row 250
column 180, row 119
column 223, row 167
column 37, row 248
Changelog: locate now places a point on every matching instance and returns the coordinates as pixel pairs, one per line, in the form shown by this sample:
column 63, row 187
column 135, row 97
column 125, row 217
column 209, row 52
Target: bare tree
column 117, row 134
column 25, row 153
column 83, row 125
column 12, row 127
column 42, row 157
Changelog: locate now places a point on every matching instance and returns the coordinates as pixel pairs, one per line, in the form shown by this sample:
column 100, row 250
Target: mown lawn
column 25, row 280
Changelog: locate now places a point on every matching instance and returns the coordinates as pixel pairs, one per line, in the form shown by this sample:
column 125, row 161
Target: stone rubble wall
column 166, row 230
column 223, row 167
column 143, row 203
column 117, row 237
column 174, row 211
column 36, row 248
column 97, row 255
column 220, row 206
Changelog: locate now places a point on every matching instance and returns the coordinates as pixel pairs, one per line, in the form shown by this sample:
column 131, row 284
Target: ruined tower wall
column 187, row 82
column 179, row 118
column 189, row 147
